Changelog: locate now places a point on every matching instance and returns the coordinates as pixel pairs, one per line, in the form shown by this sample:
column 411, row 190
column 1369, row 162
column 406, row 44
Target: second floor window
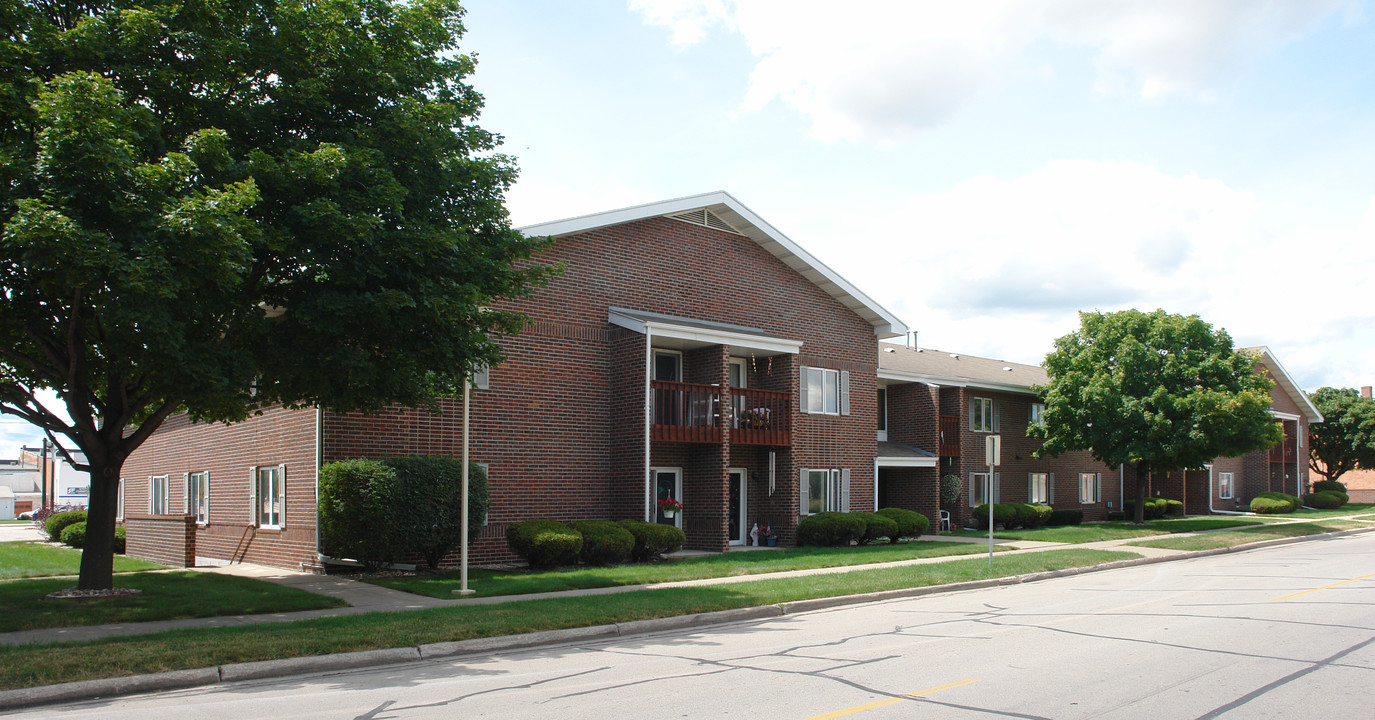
column 825, row 391
column 981, row 414
column 1038, row 412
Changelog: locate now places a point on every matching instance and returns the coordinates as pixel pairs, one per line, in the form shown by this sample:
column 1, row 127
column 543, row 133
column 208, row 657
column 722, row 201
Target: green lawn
column 488, row 583
column 166, row 596
column 1095, row 532
column 30, row 665
column 1367, row 509
column 35, row 559
column 1250, row 535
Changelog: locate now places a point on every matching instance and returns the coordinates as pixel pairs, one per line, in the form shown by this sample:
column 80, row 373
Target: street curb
column 277, row 669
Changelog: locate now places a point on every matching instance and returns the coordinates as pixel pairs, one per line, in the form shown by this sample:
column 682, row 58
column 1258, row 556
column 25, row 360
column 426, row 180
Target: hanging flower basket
column 670, row 507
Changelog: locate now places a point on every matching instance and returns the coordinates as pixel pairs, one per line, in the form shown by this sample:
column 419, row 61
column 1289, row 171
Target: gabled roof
column 1287, row 384
column 938, row 367
column 742, row 220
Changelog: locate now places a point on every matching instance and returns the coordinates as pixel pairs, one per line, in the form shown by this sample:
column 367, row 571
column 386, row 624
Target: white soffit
column 692, row 333
column 898, row 376
column 891, row 462
column 735, row 214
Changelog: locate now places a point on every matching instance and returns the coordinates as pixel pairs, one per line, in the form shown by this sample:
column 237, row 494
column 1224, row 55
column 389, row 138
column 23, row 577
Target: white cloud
column 889, row 68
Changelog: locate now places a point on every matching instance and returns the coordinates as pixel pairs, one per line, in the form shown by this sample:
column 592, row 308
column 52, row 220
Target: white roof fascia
column 900, row 376
column 885, row 323
column 707, row 336
column 905, row 462
column 1286, row 381
column 1283, row 415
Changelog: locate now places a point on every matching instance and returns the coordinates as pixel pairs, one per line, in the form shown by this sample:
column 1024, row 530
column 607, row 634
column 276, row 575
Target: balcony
column 760, row 417
column 685, row 412
column 949, row 441
column 1283, row 452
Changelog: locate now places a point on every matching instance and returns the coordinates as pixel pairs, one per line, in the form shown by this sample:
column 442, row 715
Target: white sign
column 993, row 448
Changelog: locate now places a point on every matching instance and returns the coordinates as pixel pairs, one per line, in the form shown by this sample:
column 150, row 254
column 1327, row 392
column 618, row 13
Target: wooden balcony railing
column 760, row 417
column 685, row 412
column 949, row 441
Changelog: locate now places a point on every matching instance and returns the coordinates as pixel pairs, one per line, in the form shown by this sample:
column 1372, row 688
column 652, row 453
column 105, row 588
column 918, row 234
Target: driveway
column 20, row 532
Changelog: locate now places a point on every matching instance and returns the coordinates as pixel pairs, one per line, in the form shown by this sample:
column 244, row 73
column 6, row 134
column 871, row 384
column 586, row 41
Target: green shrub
column 1326, row 500
column 75, row 535
column 59, row 522
column 951, row 485
column 910, row 524
column 427, row 510
column 1067, row 517
column 1270, row 503
column 1004, row 514
column 544, row 543
column 604, row 542
column 1154, row 509
column 119, row 539
column 1345, row 498
column 1324, row 485
column 1033, row 515
column 356, row 513
column 1174, row 508
column 827, row 529
column 876, row 526
column 653, row 540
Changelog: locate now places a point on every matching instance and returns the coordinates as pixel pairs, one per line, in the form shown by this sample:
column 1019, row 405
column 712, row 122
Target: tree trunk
column 1139, row 512
column 98, row 555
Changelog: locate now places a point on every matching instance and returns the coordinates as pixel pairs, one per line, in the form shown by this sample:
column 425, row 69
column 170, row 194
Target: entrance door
column 737, row 512
column 668, row 485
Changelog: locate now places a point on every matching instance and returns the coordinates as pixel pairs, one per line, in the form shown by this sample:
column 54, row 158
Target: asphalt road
column 1274, row 633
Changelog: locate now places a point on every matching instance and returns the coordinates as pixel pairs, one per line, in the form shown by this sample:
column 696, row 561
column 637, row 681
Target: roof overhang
column 1286, row 383
column 747, row 223
column 920, row 462
column 898, row 376
column 683, row 333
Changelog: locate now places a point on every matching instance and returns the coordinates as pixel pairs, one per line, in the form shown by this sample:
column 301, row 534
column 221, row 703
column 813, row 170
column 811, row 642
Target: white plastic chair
column 945, row 520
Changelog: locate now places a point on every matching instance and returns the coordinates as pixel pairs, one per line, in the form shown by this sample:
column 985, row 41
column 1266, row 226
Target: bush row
column 1014, row 515
column 830, row 529
column 1154, row 509
column 1269, row 503
column 545, row 543
column 69, row 528
column 1326, row 499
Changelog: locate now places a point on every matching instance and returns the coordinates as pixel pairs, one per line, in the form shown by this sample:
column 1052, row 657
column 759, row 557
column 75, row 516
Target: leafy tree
column 1164, row 392
column 1345, row 439
column 212, row 207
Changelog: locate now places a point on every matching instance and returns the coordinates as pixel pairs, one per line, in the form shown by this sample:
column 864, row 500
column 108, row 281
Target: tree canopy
column 215, row 206
column 1345, row 439
column 1162, row 392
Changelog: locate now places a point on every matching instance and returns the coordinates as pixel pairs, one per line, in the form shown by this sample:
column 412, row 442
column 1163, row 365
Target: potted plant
column 670, row 507
column 767, row 535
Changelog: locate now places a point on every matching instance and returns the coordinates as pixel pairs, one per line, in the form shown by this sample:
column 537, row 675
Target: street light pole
column 463, row 567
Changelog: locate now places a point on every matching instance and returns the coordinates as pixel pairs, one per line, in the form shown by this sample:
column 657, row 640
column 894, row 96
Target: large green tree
column 212, row 206
column 1162, row 392
column 1345, row 439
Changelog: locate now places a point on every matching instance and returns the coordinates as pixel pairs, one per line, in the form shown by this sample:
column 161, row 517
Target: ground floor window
column 1038, row 488
column 979, row 490
column 198, row 496
column 269, row 496
column 157, row 495
column 1089, row 488
column 1224, row 485
column 825, row 490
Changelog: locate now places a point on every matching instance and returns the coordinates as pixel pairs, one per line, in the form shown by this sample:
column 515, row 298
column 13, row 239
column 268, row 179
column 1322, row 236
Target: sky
column 982, row 170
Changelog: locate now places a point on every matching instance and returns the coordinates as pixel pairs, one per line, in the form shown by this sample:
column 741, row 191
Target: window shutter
column 1050, row 488
column 845, row 491
column 186, row 485
column 119, row 511
column 281, row 495
column 804, row 406
column 971, row 405
column 150, row 494
column 1098, row 487
column 845, row 395
column 802, row 492
column 997, row 489
column 206, row 497
column 971, row 491
column 1030, row 486
column 253, row 495
column 995, row 407
column 482, row 378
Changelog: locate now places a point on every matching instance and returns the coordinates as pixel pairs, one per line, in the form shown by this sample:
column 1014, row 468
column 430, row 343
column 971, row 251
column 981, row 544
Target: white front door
column 668, row 485
column 738, row 511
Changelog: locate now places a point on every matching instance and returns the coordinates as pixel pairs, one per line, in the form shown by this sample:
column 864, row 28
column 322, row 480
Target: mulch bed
column 79, row 594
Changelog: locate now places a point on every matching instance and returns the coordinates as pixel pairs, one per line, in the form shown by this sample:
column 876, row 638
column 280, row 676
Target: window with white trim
column 1224, row 485
column 826, row 491
column 1089, row 489
column 119, row 507
column 981, row 414
column 823, row 391
column 198, row 496
column 157, row 495
column 1038, row 412
column 978, row 488
column 1038, row 487
column 269, row 496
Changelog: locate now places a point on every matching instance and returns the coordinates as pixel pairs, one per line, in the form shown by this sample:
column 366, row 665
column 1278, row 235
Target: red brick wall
column 166, row 539
column 915, row 489
column 227, row 452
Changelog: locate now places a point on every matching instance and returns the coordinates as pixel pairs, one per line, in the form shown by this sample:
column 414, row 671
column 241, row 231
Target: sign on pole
column 993, row 448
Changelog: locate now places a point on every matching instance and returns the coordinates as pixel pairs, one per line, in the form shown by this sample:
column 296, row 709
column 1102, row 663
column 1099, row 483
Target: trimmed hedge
column 1155, row 508
column 603, row 542
column 59, row 522
column 119, row 540
column 1032, row 515
column 544, row 543
column 1065, row 517
column 427, row 515
column 827, row 529
column 75, row 535
column 1003, row 514
column 1326, row 500
column 951, row 485
column 1174, row 508
column 876, row 526
column 653, row 540
column 910, row 524
column 356, row 513
column 1271, row 503
column 1324, row 485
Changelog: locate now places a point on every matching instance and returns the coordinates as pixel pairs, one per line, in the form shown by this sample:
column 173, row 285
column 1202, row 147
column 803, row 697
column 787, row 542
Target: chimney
column 912, row 340
column 1365, row 391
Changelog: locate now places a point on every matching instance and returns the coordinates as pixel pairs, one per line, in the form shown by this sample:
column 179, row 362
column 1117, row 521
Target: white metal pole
column 988, row 495
column 463, row 568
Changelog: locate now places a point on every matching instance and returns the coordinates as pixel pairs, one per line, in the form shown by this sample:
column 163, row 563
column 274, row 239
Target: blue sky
column 984, row 170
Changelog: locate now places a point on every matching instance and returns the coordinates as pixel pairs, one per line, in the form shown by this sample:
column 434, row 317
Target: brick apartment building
column 689, row 350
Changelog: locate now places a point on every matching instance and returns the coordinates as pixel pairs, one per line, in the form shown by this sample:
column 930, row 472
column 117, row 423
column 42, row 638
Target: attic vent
column 705, row 218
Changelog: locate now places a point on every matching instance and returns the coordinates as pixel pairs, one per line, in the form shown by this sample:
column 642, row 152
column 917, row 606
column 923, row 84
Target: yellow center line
column 1325, row 587
column 889, row 701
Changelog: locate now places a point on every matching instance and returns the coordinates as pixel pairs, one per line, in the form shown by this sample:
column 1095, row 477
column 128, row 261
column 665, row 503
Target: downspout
column 649, row 402
column 1121, row 490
